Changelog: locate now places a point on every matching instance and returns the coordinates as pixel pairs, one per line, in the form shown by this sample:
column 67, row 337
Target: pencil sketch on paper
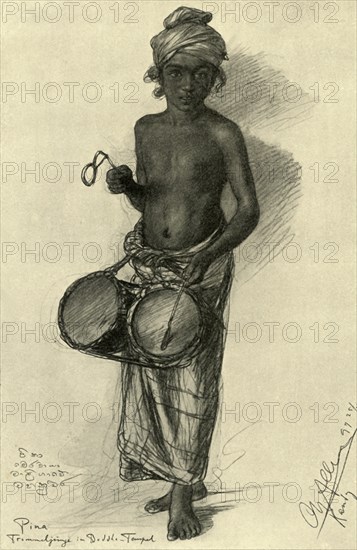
column 166, row 326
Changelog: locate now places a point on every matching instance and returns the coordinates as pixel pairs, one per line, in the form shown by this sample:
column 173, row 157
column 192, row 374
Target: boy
column 184, row 157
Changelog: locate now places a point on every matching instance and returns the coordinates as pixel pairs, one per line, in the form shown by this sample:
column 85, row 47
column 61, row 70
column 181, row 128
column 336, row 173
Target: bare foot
column 183, row 524
column 161, row 504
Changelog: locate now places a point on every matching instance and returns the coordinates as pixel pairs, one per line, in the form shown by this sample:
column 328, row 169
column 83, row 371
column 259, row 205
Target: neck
column 184, row 117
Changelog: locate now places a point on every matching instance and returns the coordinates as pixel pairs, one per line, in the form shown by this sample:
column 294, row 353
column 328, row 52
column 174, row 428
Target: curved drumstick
column 167, row 336
column 94, row 166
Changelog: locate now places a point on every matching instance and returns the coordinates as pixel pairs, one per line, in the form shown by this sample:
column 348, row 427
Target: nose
column 187, row 82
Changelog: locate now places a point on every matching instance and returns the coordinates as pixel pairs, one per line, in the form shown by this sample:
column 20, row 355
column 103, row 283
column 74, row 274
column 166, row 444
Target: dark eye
column 174, row 74
column 201, row 75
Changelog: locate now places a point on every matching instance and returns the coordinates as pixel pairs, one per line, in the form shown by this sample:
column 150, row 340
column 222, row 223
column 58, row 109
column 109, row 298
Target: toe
column 171, row 535
column 196, row 530
column 191, row 530
column 151, row 507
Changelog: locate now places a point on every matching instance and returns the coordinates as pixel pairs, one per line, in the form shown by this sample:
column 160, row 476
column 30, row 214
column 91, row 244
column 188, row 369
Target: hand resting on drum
column 119, row 179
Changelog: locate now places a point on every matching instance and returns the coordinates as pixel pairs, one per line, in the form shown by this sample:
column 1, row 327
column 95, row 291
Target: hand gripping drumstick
column 167, row 336
column 94, row 166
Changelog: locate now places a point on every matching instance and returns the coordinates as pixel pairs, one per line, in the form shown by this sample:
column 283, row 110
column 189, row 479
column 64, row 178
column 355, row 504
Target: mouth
column 186, row 99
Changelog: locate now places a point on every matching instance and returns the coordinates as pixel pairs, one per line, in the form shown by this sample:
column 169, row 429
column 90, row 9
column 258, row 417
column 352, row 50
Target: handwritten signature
column 26, row 525
column 315, row 514
column 27, row 531
column 126, row 537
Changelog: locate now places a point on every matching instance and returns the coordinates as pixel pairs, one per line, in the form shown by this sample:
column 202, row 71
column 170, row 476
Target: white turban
column 186, row 30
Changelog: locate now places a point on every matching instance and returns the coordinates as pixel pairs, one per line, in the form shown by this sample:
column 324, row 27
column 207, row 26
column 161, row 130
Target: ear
column 220, row 79
column 159, row 91
column 214, row 75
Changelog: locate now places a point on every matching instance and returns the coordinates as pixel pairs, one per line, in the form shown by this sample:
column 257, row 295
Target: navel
column 166, row 233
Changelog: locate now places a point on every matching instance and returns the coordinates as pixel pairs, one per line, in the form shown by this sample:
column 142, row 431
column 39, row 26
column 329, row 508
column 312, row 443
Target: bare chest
column 183, row 154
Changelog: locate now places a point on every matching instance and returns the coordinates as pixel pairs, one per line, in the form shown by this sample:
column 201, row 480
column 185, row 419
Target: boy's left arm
column 246, row 218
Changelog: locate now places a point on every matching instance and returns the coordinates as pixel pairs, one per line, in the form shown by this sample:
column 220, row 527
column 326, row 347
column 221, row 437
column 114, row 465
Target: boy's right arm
column 120, row 179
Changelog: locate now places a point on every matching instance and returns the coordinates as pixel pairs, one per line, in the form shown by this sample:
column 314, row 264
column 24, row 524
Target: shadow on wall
column 258, row 96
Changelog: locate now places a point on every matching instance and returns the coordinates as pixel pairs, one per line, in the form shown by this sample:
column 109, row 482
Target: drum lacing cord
column 94, row 165
column 113, row 269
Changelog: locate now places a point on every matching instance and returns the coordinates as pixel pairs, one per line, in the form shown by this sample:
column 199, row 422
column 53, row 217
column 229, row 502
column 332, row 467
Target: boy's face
column 187, row 81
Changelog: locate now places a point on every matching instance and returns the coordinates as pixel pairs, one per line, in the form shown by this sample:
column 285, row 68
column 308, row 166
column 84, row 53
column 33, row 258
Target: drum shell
column 167, row 358
column 111, row 334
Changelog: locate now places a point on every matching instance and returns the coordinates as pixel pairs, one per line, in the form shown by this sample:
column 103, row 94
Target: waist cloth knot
column 168, row 414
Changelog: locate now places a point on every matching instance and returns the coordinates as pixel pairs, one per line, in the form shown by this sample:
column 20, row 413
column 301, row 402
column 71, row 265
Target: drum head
column 90, row 309
column 148, row 322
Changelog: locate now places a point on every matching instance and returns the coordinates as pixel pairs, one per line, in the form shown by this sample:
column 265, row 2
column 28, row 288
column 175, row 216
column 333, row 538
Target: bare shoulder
column 224, row 130
column 146, row 123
